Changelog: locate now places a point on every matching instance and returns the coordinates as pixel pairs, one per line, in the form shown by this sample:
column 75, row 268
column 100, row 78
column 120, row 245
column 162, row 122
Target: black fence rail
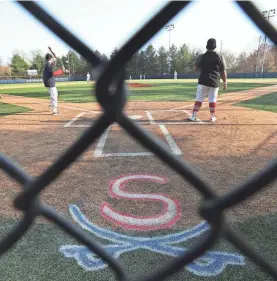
column 111, row 93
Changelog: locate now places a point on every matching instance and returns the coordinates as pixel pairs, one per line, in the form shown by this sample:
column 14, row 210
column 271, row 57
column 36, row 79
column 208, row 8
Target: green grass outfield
column 37, row 257
column 162, row 90
column 7, row 109
column 266, row 103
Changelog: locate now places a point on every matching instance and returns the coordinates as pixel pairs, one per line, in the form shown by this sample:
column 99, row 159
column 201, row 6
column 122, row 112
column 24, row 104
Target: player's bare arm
column 196, row 67
column 224, row 73
column 224, row 78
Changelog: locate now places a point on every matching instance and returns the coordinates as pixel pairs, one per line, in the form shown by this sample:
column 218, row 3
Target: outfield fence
column 244, row 75
column 32, row 80
column 111, row 92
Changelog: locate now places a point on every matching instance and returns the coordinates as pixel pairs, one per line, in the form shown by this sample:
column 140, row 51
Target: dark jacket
column 48, row 76
column 211, row 65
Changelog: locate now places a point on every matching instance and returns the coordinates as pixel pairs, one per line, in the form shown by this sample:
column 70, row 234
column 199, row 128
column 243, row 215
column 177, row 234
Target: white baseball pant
column 204, row 91
column 53, row 93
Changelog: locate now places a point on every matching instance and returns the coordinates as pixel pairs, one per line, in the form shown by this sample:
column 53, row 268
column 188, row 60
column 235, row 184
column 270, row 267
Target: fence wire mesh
column 111, row 92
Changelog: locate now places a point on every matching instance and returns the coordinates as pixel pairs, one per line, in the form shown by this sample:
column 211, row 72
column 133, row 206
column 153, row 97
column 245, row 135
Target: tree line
column 149, row 61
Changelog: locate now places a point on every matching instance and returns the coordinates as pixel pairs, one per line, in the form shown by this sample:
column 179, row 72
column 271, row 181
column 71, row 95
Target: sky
column 106, row 24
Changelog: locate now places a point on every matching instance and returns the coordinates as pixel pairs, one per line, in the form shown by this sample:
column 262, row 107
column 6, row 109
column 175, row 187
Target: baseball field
column 141, row 211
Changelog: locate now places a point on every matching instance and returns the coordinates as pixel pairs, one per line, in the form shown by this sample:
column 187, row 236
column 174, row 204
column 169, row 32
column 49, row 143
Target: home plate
column 135, row 117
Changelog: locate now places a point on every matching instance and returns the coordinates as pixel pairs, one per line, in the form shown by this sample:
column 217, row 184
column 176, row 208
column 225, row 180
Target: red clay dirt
column 139, row 85
column 225, row 154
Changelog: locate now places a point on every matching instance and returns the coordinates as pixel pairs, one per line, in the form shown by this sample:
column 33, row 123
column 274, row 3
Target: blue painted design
column 210, row 264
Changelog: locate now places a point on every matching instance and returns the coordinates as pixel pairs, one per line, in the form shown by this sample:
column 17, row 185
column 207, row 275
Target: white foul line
column 157, row 123
column 150, row 118
column 71, row 107
column 172, row 144
column 185, row 106
column 149, row 115
column 100, row 146
column 183, row 123
column 128, row 154
column 153, row 122
column 69, row 124
column 80, row 126
column 186, row 111
column 77, row 108
column 74, row 119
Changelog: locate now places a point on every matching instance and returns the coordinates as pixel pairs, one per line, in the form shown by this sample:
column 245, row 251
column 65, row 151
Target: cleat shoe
column 194, row 119
column 213, row 118
column 55, row 111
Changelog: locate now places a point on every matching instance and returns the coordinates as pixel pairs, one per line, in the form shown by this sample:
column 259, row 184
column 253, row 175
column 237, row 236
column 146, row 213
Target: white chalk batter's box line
column 98, row 152
column 149, row 115
column 103, row 139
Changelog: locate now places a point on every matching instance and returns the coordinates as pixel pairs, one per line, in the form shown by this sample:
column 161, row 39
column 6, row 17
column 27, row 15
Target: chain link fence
column 111, row 92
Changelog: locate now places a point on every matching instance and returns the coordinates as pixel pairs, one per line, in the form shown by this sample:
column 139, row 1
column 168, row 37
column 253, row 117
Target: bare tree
column 230, row 60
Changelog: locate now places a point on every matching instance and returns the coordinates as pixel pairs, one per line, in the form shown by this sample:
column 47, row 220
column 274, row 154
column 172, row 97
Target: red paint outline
column 162, row 213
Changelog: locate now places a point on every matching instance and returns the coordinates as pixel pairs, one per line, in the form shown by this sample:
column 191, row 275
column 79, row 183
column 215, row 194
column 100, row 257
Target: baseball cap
column 48, row 56
column 211, row 44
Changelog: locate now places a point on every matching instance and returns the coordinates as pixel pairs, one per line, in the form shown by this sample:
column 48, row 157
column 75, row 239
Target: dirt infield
column 139, row 85
column 240, row 143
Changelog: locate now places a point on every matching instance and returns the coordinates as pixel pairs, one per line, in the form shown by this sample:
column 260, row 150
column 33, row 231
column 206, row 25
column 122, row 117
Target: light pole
column 267, row 14
column 169, row 28
column 68, row 60
column 258, row 53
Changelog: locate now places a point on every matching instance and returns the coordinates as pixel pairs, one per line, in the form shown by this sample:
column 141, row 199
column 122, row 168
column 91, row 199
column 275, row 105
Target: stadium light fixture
column 267, row 14
column 169, row 28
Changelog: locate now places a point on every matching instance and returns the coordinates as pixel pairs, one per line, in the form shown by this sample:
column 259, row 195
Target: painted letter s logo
column 170, row 214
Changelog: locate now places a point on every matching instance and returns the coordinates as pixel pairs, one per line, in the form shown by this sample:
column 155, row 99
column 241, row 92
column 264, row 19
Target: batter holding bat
column 49, row 80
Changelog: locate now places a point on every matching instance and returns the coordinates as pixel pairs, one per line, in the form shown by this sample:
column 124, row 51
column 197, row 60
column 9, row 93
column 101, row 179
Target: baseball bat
column 52, row 52
column 55, row 55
